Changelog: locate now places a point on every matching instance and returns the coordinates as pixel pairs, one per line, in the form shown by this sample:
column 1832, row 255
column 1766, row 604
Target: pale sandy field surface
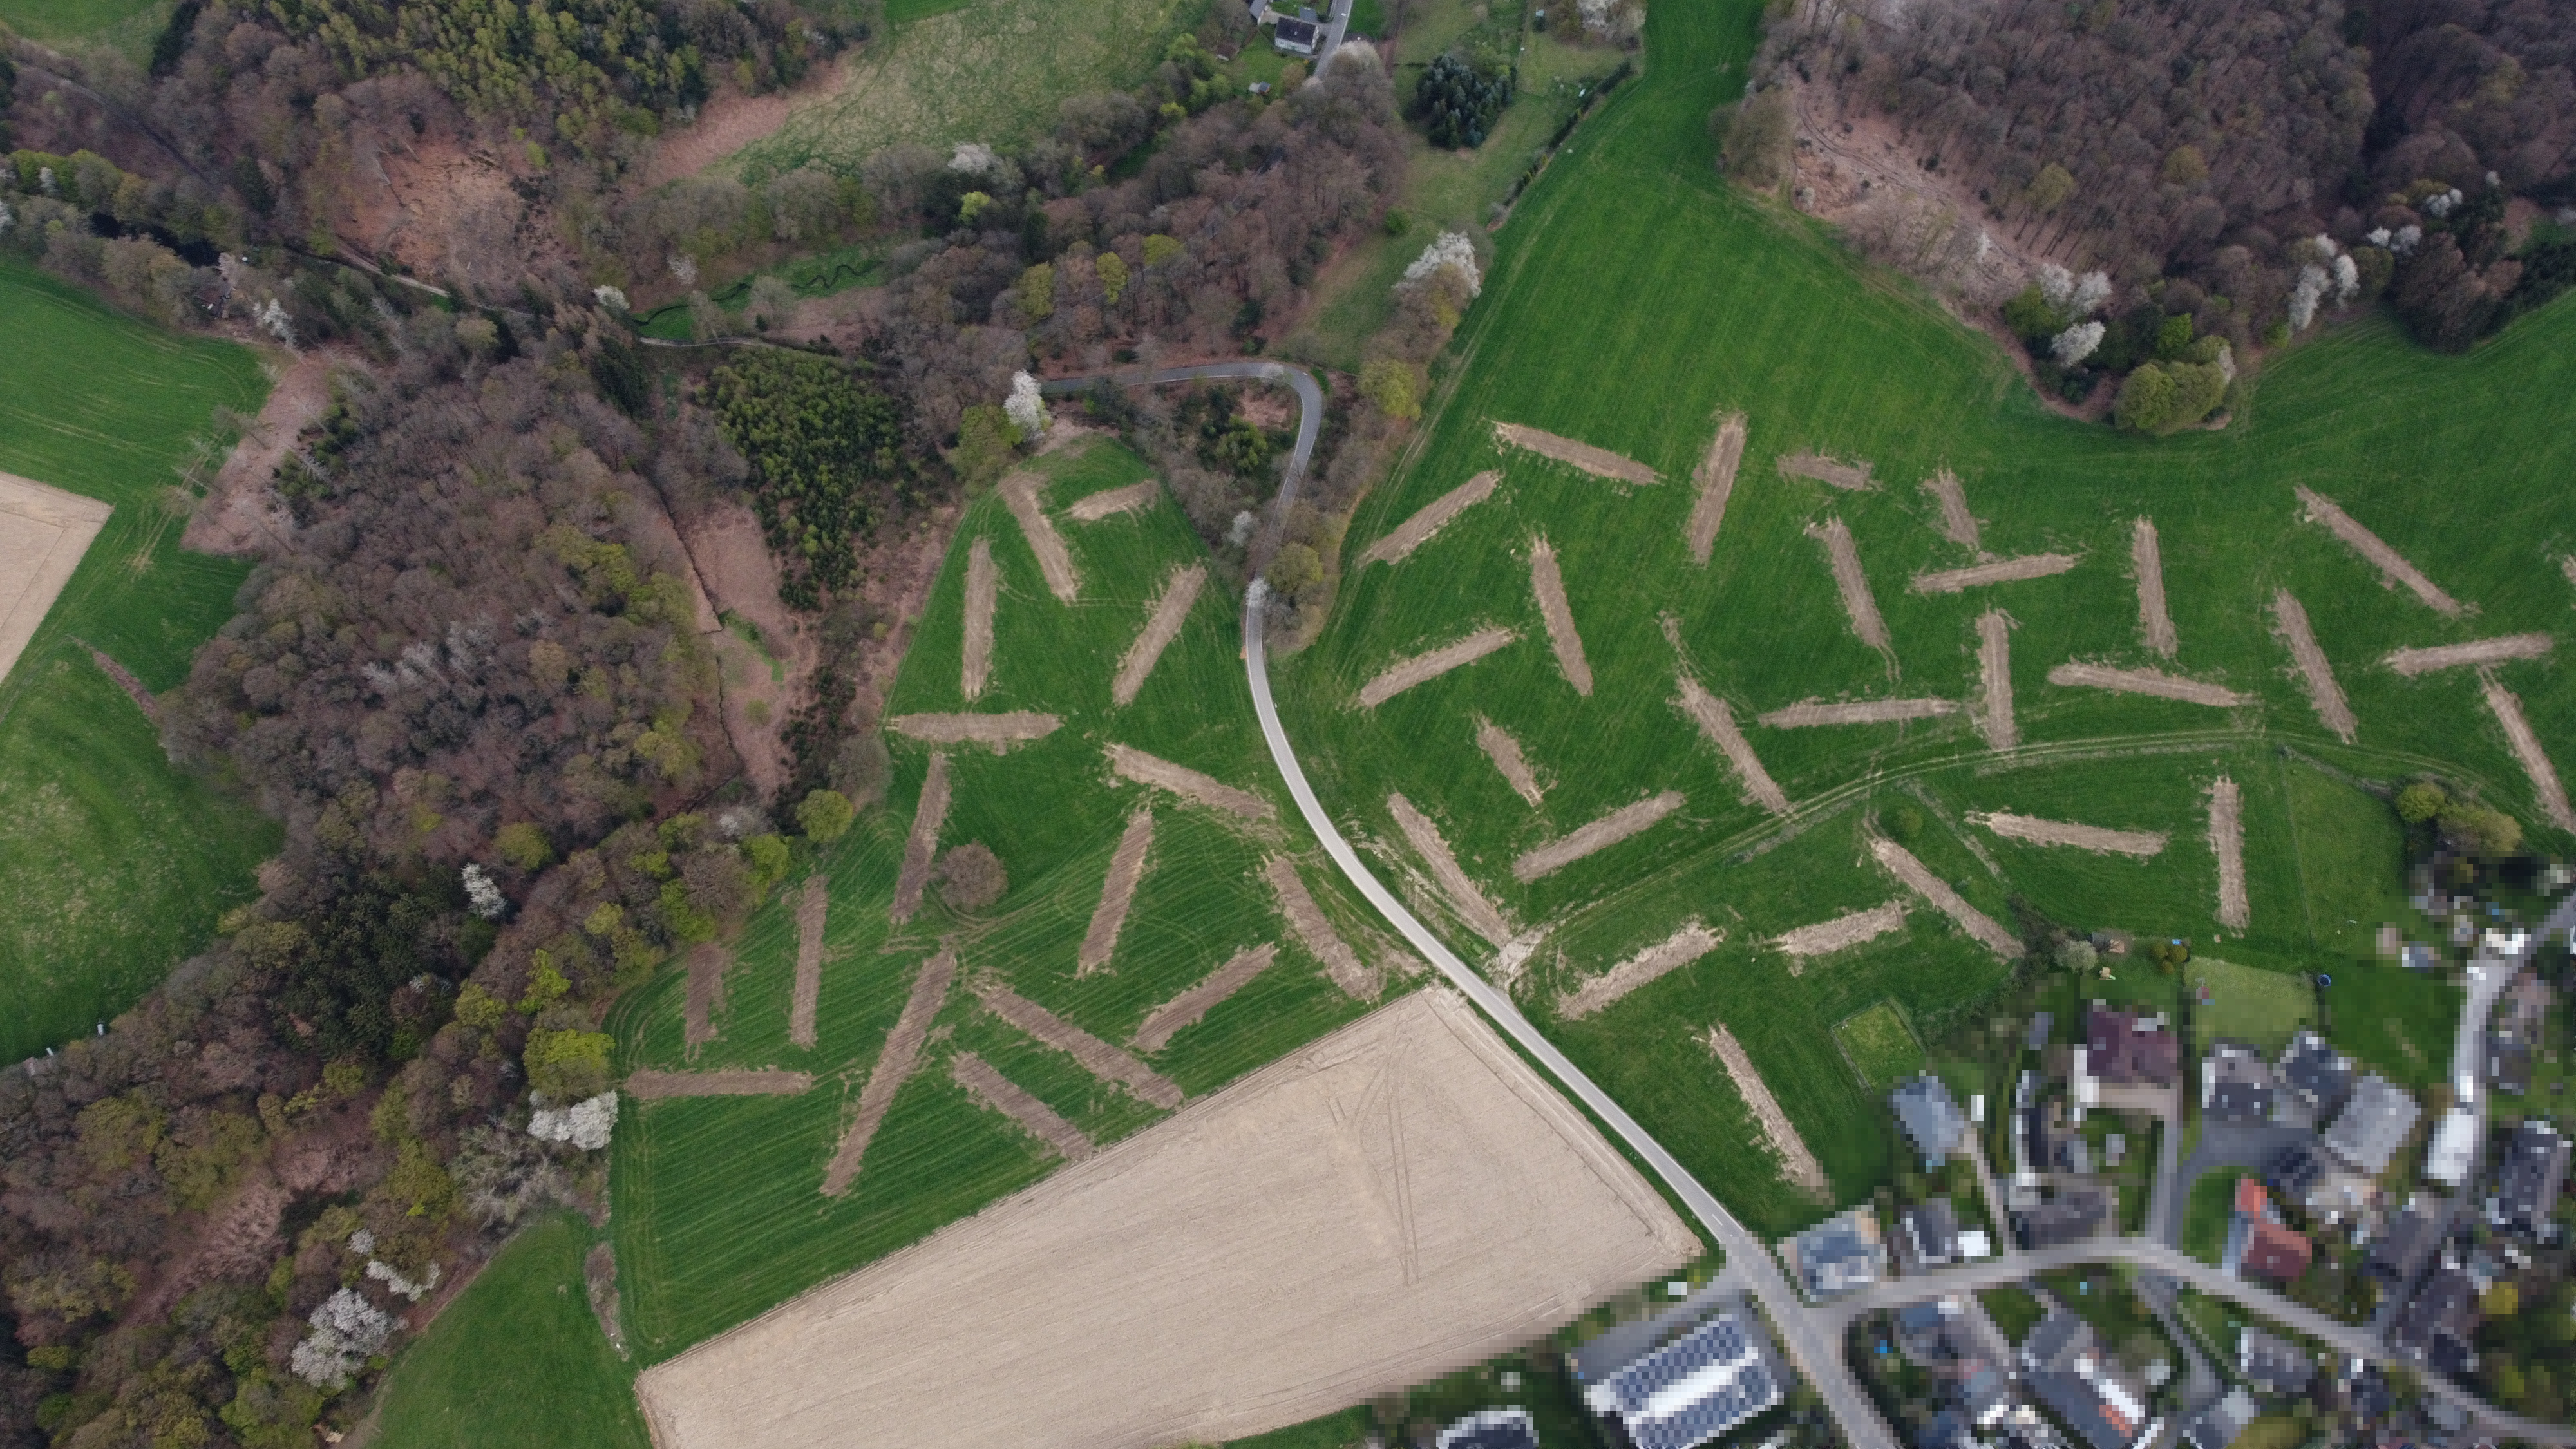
column 43, row 533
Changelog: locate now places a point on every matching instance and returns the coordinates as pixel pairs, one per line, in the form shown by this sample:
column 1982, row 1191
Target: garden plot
column 1020, row 494
column 1715, row 476
column 922, row 842
column 2227, row 841
column 2290, row 621
column 1110, row 502
column 43, row 533
column 1547, row 581
column 1717, row 725
column 1416, row 531
column 893, row 1066
column 1098, row 1057
column 1957, row 524
column 1858, row 606
column 2147, row 563
column 1398, row 1199
column 1661, row 959
column 1185, row 1010
column 2001, row 571
column 1505, row 752
column 811, row 906
column 1994, row 680
column 1170, row 611
column 1406, row 673
column 983, row 589
column 1010, row 1099
column 2507, row 707
column 1001, row 731
column 1117, row 893
column 1841, row 933
column 1596, row 836
column 2150, row 682
column 2411, row 662
column 2140, row 843
column 1316, row 933
column 1599, row 462
column 2391, row 564
column 1852, row 477
column 1198, row 789
column 1809, row 713
column 1917, row 877
column 1797, row 1165
column 657, row 1086
column 1468, row 899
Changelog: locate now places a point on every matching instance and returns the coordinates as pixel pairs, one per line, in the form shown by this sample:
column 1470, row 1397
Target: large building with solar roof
column 1693, row 1389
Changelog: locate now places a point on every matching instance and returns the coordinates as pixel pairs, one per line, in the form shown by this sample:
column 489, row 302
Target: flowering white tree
column 8, row 218
column 2304, row 297
column 2441, row 205
column 2075, row 298
column 391, row 1276
column 684, row 267
column 347, row 1331
column 2076, row 343
column 586, row 1124
column 612, row 298
column 1025, row 407
column 1449, row 249
column 974, row 158
column 482, row 894
column 2347, row 277
column 274, row 318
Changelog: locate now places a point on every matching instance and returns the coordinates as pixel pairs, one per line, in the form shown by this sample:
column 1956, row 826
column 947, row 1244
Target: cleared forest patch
column 1994, row 680
column 1663, row 958
column 983, row 588
column 1171, row 609
column 2388, row 561
column 1851, row 477
column 2545, row 783
column 1715, row 476
column 1020, row 494
column 1112, row 501
column 810, row 908
column 2290, row 621
column 1844, row 557
column 1717, row 725
column 1098, row 1057
column 1185, row 1010
column 1809, row 713
column 1001, row 731
column 1010, row 1099
column 1405, row 673
column 2480, row 652
column 708, row 963
column 1917, row 877
column 922, row 842
column 1957, row 524
column 893, row 1066
column 1599, row 462
column 1316, row 933
column 1797, row 1165
column 2001, row 571
column 2145, row 681
column 1547, row 581
column 2147, row 562
column 656, row 1086
column 1839, row 934
column 1468, row 899
column 1416, row 531
column 1117, row 893
column 1598, row 835
column 1505, row 752
column 1189, row 784
column 2227, row 841
column 2096, row 838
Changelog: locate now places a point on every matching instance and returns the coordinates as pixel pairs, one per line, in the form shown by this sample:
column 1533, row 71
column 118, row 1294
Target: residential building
column 2509, row 1060
column 1927, row 1236
column 1844, row 1252
column 2041, row 1024
column 2529, row 1179
column 2275, row 1251
column 2087, row 1390
column 1931, row 1118
column 2125, row 1049
column 2323, row 1187
column 1693, row 1389
column 2437, row 1325
column 2374, row 1121
column 2218, row 1426
column 2454, row 1148
column 2272, row 1365
column 2407, row 1244
column 1297, row 37
column 2315, row 1074
column 2074, row 1214
column 2236, row 1084
column 2365, row 1391
column 1510, row 1428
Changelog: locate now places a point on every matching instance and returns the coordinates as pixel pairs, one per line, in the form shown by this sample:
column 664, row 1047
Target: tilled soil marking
column 1481, row 914
column 1808, row 713
column 1715, row 476
column 1957, row 524
column 1797, row 1164
column 1505, row 752
column 1599, row 462
column 1839, row 934
column 2001, row 571
column 655, row 1086
column 1664, row 957
column 1170, row 611
column 1117, row 893
column 1901, row 863
column 2481, row 652
column 2227, row 840
column 1858, row 606
column 2526, row 748
column 1431, row 664
column 1189, row 784
column 810, row 908
column 1185, row 1010
column 1098, row 1057
column 2100, row 840
column 2290, row 620
column 1009, row 1098
column 1852, row 477
column 2147, row 561
column 1020, row 494
column 1717, row 725
column 1001, row 731
column 1110, row 501
column 1994, row 671
column 2145, row 681
column 1316, row 933
column 983, row 588
column 893, row 1066
column 1547, row 581
column 1416, row 531
column 2370, row 546
column 1596, row 836
column 922, row 842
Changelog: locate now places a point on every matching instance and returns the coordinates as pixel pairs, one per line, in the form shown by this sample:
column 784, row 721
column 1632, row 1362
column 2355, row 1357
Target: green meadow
column 120, row 863
column 1633, row 299
column 717, row 1205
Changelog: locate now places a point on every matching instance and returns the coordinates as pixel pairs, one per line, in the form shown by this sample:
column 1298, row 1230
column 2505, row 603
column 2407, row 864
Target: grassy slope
column 1632, row 299
column 119, row 863
column 516, row 1360
column 716, row 1205
column 129, row 26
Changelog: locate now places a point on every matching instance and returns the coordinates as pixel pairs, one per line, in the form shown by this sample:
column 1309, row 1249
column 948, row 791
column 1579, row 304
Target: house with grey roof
column 2270, row 1364
column 2082, row 1385
column 1925, row 1109
column 2373, row 1124
column 2407, row 1244
column 2236, row 1084
column 2218, row 1426
column 1844, row 1252
column 2529, row 1179
column 2314, row 1074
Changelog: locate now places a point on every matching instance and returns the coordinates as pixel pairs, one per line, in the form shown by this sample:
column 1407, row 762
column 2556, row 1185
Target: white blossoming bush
column 2227, row 361
column 2441, row 205
column 685, row 268
column 1449, row 249
column 1025, row 407
column 612, row 298
column 2076, row 343
column 585, row 1124
column 2347, row 274
column 1244, row 523
column 45, row 181
column 481, row 894
column 2074, row 297
column 347, row 1331
column 362, row 1242
column 391, row 1276
column 2407, row 239
column 273, row 317
column 974, row 158
column 8, row 218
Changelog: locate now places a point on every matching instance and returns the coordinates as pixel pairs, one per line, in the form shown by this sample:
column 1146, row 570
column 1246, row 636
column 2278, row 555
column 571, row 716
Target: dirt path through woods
column 983, row 588
column 1185, row 1010
column 1468, row 899
column 1547, row 581
column 1599, row 462
column 1598, row 835
column 1117, row 894
column 1839, row 934
column 1808, row 713
column 1957, row 524
column 1661, row 959
column 1189, row 784
column 1844, row 557
column 1850, row 477
column 893, row 1066
column 1416, row 531
column 2227, row 840
column 1316, row 933
column 2001, row 571
column 1001, row 731
column 1917, row 877
column 2147, row 562
column 1009, row 1098
column 2390, row 563
column 1098, row 1057
column 2526, row 748
column 810, row 908
column 1020, row 494
column 1994, row 680
column 2481, row 652
column 1514, row 766
column 1717, row 725
column 1171, row 610
column 1405, row 673
column 240, row 511
column 1798, row 1166
column 2139, row 843
column 1094, row 507
column 2147, row 682
column 657, row 1086
column 2290, row 621
column 1715, row 476
column 923, row 841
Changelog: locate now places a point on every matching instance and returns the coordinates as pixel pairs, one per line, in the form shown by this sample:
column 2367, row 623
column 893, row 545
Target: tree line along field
column 119, row 864
column 1633, row 299
column 718, row 1212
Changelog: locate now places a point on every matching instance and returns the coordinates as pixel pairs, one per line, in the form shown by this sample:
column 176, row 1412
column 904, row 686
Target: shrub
column 1755, row 148
column 523, row 845
column 2418, row 803
column 568, row 1066
column 1393, row 388
column 824, row 816
column 971, row 877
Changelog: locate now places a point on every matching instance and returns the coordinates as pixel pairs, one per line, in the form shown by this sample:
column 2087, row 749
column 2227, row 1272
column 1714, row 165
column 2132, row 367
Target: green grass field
column 2243, row 1003
column 2206, row 1215
column 1633, row 298
column 119, row 863
column 718, row 1212
column 2013, row 1309
column 1879, row 1045
column 517, row 1359
column 129, row 26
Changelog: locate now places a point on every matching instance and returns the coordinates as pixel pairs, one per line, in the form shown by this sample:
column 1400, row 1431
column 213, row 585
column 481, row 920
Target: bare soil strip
column 653, row 1086
column 2526, row 748
column 1399, row 1198
column 810, row 908
column 1098, row 1057
column 2001, row 571
column 893, row 1065
column 2369, row 545
column 1808, row 713
column 1505, row 752
column 2227, row 839
column 1316, row 933
column 1117, row 893
column 1717, row 725
column 1664, row 957
column 1599, row 835
column 1994, row 670
column 1548, row 582
column 1007, row 1097
column 1185, row 782
column 1185, row 1010
column 44, row 530
column 1900, row 863
column 1020, row 494
column 1957, row 524
column 706, row 995
column 1839, row 934
column 1836, row 536
column 124, row 678
column 1599, row 462
column 2147, row 561
column 1170, row 611
column 2482, row 652
column 1467, row 898
column 983, row 587
column 2567, row 566
column 1130, row 499
column 1715, row 476
column 2290, row 620
column 2145, row 681
column 2140, row 843
column 1416, row 531
column 1406, row 673
column 1797, row 1165
column 1001, row 731
column 922, row 843
column 1853, row 477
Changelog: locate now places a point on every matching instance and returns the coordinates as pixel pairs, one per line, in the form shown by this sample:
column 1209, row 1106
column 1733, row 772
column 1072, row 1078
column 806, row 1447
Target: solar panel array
column 1748, row 1393
column 1718, row 1341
